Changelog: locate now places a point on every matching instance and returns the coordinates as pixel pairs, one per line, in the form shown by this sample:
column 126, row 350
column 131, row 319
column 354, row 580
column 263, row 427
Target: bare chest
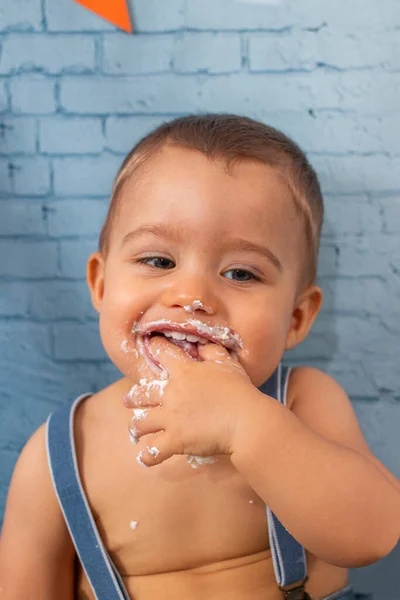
column 171, row 517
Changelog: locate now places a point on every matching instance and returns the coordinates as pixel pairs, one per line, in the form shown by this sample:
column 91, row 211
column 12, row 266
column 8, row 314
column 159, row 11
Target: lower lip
column 149, row 354
column 189, row 348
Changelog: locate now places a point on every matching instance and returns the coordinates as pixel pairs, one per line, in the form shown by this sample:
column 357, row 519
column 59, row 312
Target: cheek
column 265, row 344
column 117, row 316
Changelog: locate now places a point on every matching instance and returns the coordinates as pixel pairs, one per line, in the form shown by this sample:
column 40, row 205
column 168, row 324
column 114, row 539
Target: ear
column 307, row 308
column 95, row 278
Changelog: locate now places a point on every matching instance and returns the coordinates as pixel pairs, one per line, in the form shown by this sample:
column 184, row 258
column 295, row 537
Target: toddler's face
column 188, row 230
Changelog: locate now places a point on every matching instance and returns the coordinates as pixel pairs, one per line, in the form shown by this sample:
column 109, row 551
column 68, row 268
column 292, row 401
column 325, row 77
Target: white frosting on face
column 196, row 305
column 126, row 350
column 199, row 461
column 219, row 333
column 133, row 524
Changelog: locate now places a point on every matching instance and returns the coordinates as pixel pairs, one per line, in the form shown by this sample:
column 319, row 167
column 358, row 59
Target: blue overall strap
column 288, row 555
column 102, row 575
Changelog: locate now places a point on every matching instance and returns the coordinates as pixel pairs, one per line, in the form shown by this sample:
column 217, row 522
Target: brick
column 85, row 176
column 236, row 15
column 347, row 336
column 64, row 15
column 352, row 174
column 208, row 53
column 250, row 94
column 369, row 337
column 21, row 15
column 271, row 52
column 30, row 260
column 387, row 128
column 49, row 54
column 21, row 217
column 3, row 97
column 57, row 300
column 364, row 15
column 14, row 299
column 60, row 135
column 357, row 381
column 22, row 341
column 354, row 215
column 122, row 133
column 242, row 15
column 360, row 93
column 73, row 341
column 371, row 256
column 307, row 50
column 127, row 55
column 31, row 176
column 17, row 135
column 158, row 15
column 32, row 95
column 46, row 385
column 175, row 94
column 77, row 217
column 391, row 214
column 335, row 132
column 359, row 50
column 74, row 255
column 328, row 260
column 5, row 177
column 357, row 296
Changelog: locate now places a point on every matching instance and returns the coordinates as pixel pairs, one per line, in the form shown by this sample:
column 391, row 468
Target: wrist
column 255, row 432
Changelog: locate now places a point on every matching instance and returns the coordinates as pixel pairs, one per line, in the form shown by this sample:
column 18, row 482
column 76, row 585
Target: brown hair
column 232, row 138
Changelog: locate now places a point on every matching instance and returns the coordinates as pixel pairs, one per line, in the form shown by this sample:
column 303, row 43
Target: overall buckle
column 296, row 593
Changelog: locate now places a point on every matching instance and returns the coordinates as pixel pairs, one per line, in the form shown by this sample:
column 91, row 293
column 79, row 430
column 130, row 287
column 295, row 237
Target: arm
column 312, row 466
column 36, row 552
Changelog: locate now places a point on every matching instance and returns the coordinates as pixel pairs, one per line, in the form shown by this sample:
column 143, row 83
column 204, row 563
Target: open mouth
column 189, row 336
column 188, row 342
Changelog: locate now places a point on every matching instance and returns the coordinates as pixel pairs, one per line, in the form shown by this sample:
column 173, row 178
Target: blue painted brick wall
column 75, row 95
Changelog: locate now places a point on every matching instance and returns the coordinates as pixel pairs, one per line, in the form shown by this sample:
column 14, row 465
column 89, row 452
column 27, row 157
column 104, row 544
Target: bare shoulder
column 320, row 401
column 36, row 551
column 322, row 404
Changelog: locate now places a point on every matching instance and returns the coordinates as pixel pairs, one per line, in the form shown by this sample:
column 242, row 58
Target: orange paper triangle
column 114, row 11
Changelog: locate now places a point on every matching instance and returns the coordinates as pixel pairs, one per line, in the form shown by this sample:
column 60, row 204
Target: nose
column 192, row 294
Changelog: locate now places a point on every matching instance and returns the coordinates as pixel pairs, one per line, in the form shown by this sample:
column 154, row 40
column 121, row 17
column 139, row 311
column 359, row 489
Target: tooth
column 192, row 338
column 167, row 333
column 177, row 335
column 202, row 341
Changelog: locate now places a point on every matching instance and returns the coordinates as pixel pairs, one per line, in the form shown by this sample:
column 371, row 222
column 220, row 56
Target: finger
column 145, row 421
column 167, row 353
column 212, row 351
column 219, row 354
column 160, row 450
column 148, row 392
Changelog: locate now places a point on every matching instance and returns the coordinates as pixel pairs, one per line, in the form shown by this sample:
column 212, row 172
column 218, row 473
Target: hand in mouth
column 187, row 335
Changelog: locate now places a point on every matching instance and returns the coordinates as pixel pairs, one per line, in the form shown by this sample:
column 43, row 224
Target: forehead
column 183, row 185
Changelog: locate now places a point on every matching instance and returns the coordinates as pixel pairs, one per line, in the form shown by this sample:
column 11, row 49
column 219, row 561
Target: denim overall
column 288, row 555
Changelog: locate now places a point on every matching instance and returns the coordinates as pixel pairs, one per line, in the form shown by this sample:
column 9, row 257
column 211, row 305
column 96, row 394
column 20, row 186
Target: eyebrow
column 175, row 233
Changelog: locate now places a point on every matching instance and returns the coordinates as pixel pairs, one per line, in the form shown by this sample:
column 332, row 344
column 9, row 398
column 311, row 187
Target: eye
column 159, row 262
column 241, row 275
